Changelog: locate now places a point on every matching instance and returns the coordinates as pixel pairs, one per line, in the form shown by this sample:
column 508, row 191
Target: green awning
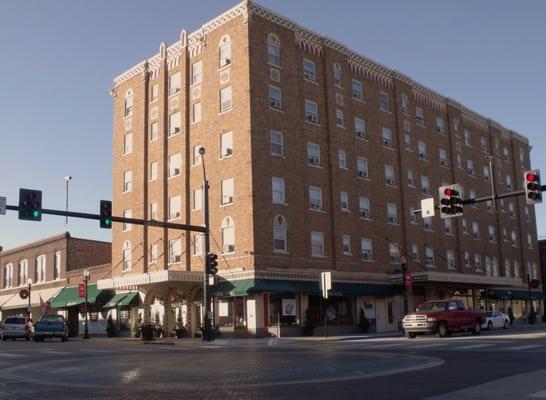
column 130, row 299
column 69, row 297
column 247, row 286
column 114, row 301
column 121, row 300
column 521, row 294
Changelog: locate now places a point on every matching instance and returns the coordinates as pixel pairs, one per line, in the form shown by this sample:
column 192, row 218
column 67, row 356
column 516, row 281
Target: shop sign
column 173, row 296
column 94, row 316
column 409, row 282
column 81, row 290
column 223, row 309
column 289, row 307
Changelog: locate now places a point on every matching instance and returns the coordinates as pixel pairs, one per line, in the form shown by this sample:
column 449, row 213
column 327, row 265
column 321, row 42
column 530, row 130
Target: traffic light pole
column 207, row 325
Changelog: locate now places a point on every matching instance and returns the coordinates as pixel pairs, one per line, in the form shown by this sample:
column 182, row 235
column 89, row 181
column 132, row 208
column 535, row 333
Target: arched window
column 129, row 103
column 228, row 235
column 279, row 233
column 337, row 74
column 225, row 51
column 127, row 254
column 8, row 276
column 23, row 272
column 273, row 50
column 57, row 265
column 40, row 268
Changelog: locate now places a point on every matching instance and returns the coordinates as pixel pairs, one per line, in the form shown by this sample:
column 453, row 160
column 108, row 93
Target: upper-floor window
column 127, row 143
column 174, row 83
column 309, row 70
column 127, row 213
column 358, row 90
column 456, row 127
column 23, row 272
column 392, row 213
column 175, row 251
column 509, row 181
column 8, row 276
column 317, row 244
column 273, row 50
column 315, row 198
column 521, row 155
column 154, row 92
column 197, row 199
column 153, row 171
column 337, row 75
column 362, row 167
column 277, row 188
column 419, row 116
column 384, row 101
column 411, row 182
column 153, row 210
column 279, row 233
column 226, row 144
column 225, row 99
column 175, row 165
column 313, row 154
column 529, row 241
column 154, row 253
column 175, row 204
column 443, row 157
column 448, row 226
column 340, row 118
column 196, row 114
column 57, row 265
column 506, row 154
column 346, row 243
column 129, row 103
column 197, row 157
column 405, row 108
column 228, row 235
column 407, row 141
column 360, row 128
column 486, row 173
column 394, row 253
column 275, row 97
column 127, row 181
column 429, row 256
column 470, row 167
column 198, row 244
column 387, row 137
column 440, row 125
column 342, row 159
column 344, row 201
column 364, row 207
column 40, row 268
column 422, row 147
column 366, row 249
column 491, row 236
column 483, row 144
column 197, row 72
column 174, row 124
column 311, row 111
column 425, row 184
column 277, row 143
column 389, row 175
column 228, row 191
column 467, row 138
column 154, row 131
column 224, row 52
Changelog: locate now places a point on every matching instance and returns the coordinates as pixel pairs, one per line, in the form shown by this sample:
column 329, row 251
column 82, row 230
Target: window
column 153, row 210
column 389, row 175
column 362, row 167
column 226, row 144
column 360, row 128
column 483, row 144
column 425, row 184
column 486, row 173
column 412, row 216
column 175, row 251
column 346, row 241
column 440, row 125
column 489, row 205
column 275, row 97
column 478, row 261
column 197, row 73
column 411, row 183
column 497, row 146
column 364, row 207
column 198, row 242
column 506, row 154
column 279, row 233
column 443, row 158
column 224, row 51
column 491, row 234
column 225, row 99
column 153, row 171
column 475, row 230
column 340, row 118
column 429, row 254
column 278, row 190
column 419, row 116
column 387, row 137
column 155, row 93
column 521, row 155
column 228, row 235
column 309, row 70
column 126, row 256
column 40, row 268
column 507, row 268
column 317, row 244
column 448, row 226
column 456, row 127
column 344, row 201
column 405, row 108
column 153, row 253
column 129, row 103
column 311, row 111
column 315, row 198
column 277, row 145
column 392, row 213
column 414, row 252
column 488, row 269
column 467, row 138
column 422, row 148
column 511, row 210
column 384, row 102
column 154, row 131
column 467, row 259
column 427, row 224
column 527, row 215
column 504, row 234
column 529, row 241
column 197, row 157
column 273, row 50
column 450, row 256
column 366, row 250
column 470, row 167
column 407, row 141
column 127, row 213
column 127, row 181
column 394, row 253
column 175, row 165
column 313, row 154
column 174, row 207
column 228, row 191
column 57, row 265
column 336, row 74
column 174, row 83
column 342, row 159
column 23, row 272
column 516, row 269
column 197, row 199
column 459, row 161
column 464, row 226
column 196, row 113
column 358, row 90
column 174, row 124
column 509, row 181
column 127, row 143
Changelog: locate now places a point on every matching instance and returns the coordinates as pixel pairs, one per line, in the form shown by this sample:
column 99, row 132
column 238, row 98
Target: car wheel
column 63, row 339
column 477, row 327
column 489, row 326
column 27, row 338
column 506, row 323
column 442, row 329
column 4, row 338
column 411, row 335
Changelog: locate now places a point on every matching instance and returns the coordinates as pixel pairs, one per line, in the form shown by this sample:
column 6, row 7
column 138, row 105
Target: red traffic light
column 448, row 192
column 531, row 177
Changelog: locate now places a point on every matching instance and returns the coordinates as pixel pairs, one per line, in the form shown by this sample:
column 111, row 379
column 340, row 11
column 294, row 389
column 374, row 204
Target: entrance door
column 73, row 322
column 381, row 315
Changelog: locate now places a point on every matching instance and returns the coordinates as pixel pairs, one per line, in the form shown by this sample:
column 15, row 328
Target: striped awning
column 16, row 301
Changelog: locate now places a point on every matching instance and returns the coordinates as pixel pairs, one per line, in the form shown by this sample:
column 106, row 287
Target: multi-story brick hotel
column 316, row 157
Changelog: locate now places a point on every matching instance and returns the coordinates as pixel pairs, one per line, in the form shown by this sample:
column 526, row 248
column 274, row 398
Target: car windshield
column 489, row 313
column 15, row 321
column 436, row 306
column 51, row 318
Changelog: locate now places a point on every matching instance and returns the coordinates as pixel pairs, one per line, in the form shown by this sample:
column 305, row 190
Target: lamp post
column 207, row 324
column 29, row 282
column 85, row 281
column 67, row 179
column 404, row 263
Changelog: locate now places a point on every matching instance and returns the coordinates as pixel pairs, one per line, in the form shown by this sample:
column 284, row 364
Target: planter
column 181, row 333
column 148, row 332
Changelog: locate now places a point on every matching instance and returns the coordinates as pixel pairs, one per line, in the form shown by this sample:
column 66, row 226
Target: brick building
column 51, row 264
column 316, row 157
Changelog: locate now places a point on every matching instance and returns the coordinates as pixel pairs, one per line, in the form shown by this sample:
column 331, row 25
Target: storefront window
column 339, row 309
column 283, row 309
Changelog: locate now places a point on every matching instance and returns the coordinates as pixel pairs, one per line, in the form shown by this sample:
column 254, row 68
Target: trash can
column 148, row 332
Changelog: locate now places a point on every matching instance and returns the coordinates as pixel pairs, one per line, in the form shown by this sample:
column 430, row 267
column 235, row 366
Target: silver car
column 17, row 327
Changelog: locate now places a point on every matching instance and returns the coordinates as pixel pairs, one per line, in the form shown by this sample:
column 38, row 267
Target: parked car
column 443, row 317
column 51, row 326
column 17, row 327
column 496, row 319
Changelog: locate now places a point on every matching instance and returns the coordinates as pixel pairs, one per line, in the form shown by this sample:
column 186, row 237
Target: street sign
column 2, row 205
column 427, row 207
column 81, row 290
column 325, row 283
column 409, row 280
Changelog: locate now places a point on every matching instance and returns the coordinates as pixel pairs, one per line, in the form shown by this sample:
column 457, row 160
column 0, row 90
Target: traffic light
column 533, row 191
column 451, row 203
column 106, row 214
column 212, row 263
column 30, row 204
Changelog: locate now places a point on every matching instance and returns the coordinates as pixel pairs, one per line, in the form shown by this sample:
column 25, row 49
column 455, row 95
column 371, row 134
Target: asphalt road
column 510, row 364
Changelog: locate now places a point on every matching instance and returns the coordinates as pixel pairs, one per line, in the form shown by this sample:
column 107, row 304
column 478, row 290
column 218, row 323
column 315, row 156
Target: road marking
column 426, row 346
column 55, row 352
column 528, row 346
column 96, row 351
column 473, row 346
column 539, row 395
column 386, row 346
column 11, row 355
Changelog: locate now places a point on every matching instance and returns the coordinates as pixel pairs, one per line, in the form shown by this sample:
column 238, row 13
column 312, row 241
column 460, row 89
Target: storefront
column 123, row 308
column 39, row 298
column 518, row 301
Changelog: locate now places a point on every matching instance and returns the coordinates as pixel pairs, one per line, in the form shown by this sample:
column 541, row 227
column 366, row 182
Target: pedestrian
column 511, row 315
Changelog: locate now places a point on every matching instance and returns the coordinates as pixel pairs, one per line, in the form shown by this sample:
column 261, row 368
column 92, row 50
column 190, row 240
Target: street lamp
column 67, row 179
column 404, row 263
column 29, row 282
column 85, row 281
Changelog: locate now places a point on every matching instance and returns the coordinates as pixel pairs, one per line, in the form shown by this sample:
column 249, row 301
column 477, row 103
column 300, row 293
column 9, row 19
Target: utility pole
column 207, row 323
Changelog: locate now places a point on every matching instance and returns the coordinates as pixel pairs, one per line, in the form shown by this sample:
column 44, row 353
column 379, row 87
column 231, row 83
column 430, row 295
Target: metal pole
column 67, row 179
column 86, row 334
column 404, row 272
column 207, row 334
column 29, row 293
column 492, row 175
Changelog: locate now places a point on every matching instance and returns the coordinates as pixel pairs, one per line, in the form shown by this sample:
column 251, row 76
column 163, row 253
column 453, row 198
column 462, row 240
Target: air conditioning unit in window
column 424, row 190
column 365, row 213
column 176, row 130
column 310, row 76
column 228, row 248
column 430, row 261
column 475, row 235
column 443, row 162
column 366, row 255
column 470, row 172
column 363, row 174
column 176, row 172
column 312, row 118
column 228, row 152
column 228, row 199
column 387, row 143
column 491, row 238
column 389, row 181
column 393, row 220
column 361, row 135
column 176, row 258
column 314, row 160
column 316, row 205
column 275, row 104
column 395, row 259
column 428, row 226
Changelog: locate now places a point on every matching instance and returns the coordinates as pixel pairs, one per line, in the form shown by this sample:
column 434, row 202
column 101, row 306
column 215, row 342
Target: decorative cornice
column 38, row 243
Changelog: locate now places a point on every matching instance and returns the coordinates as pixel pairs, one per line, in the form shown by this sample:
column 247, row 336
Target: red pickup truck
column 443, row 317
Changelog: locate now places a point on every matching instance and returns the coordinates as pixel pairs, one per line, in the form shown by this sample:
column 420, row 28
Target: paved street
column 380, row 368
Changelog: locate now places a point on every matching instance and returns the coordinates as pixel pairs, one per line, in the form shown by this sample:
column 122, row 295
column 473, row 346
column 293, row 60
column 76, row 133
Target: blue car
column 51, row 326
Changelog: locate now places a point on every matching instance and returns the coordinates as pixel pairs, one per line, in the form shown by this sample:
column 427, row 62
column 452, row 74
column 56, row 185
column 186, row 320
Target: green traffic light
column 36, row 214
column 107, row 221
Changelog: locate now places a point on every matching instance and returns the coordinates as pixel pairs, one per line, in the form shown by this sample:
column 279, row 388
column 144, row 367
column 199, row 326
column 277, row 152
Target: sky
column 59, row 59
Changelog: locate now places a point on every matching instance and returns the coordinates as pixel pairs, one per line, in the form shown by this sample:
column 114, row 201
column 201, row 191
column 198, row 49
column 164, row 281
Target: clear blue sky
column 59, row 59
